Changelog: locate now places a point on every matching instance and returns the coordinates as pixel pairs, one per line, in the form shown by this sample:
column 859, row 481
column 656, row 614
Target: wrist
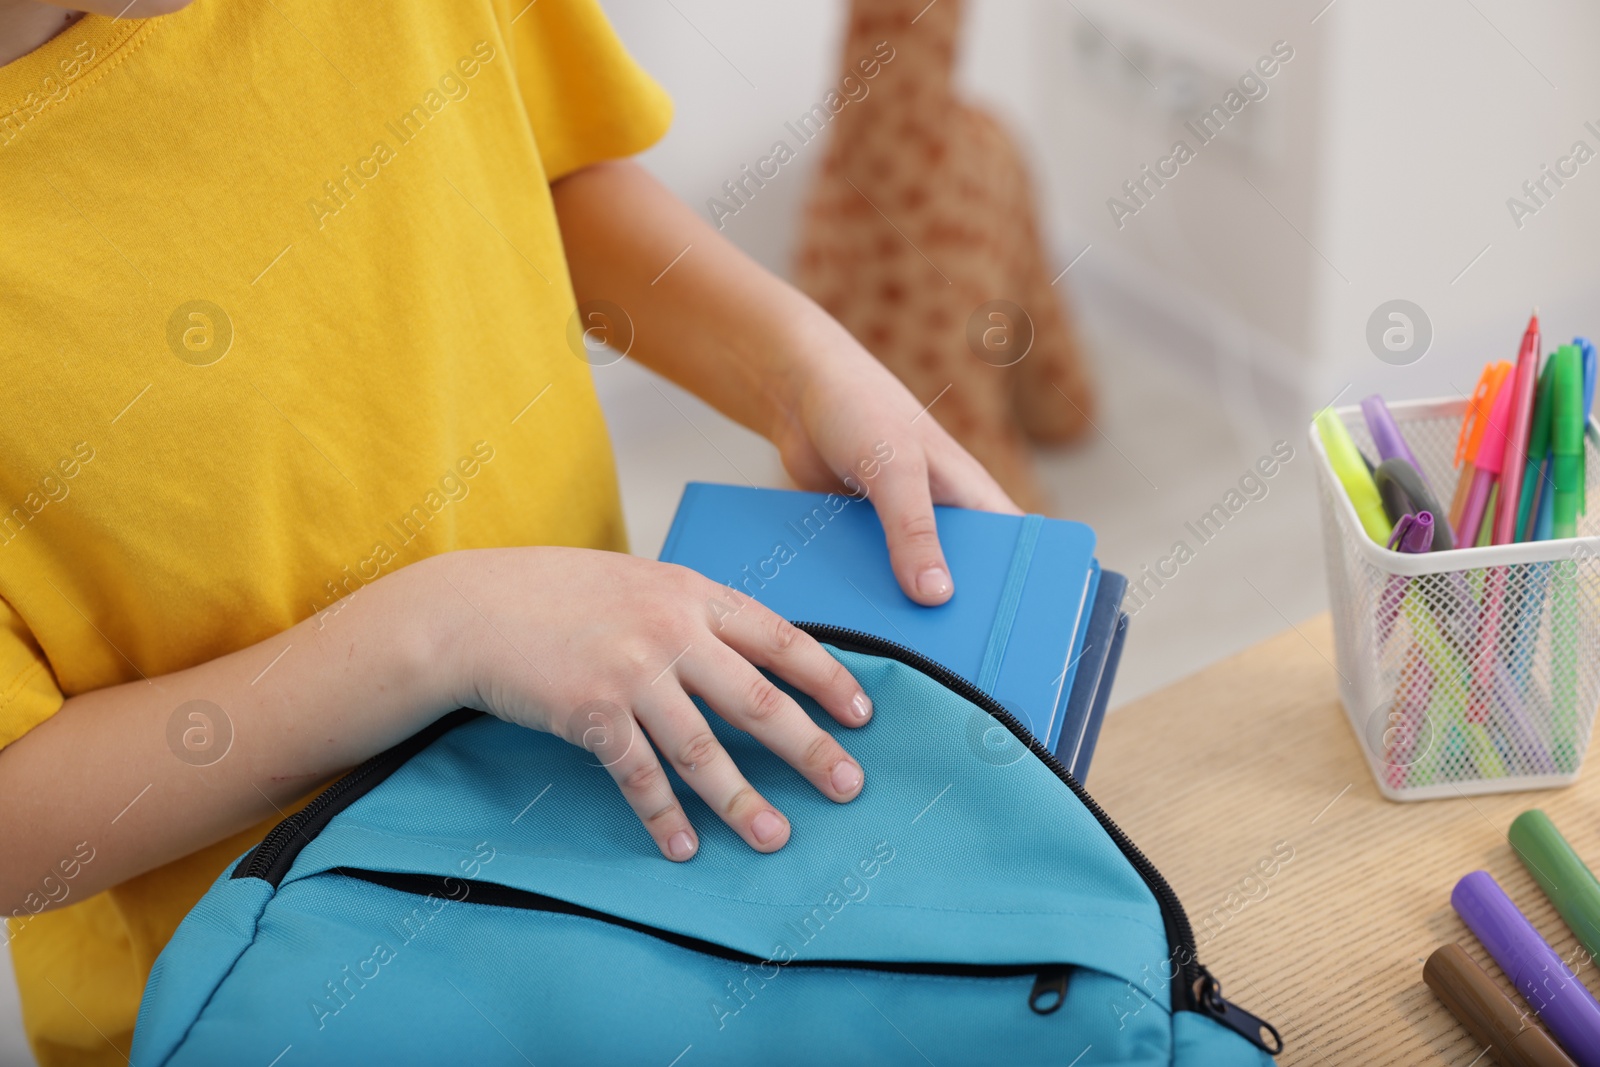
column 811, row 345
column 420, row 620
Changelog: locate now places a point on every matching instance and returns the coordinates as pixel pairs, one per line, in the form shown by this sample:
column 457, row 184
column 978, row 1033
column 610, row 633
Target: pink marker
column 1486, row 468
column 1516, row 442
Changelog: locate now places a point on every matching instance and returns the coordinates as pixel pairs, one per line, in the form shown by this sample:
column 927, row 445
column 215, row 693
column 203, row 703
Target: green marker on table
column 1569, row 884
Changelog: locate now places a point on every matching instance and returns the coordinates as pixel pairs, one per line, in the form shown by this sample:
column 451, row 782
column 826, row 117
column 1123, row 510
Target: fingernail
column 861, row 706
column 934, row 582
column 680, row 846
column 846, row 778
column 766, row 827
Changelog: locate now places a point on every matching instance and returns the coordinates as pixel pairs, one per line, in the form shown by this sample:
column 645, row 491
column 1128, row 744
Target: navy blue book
column 1097, row 666
column 1032, row 621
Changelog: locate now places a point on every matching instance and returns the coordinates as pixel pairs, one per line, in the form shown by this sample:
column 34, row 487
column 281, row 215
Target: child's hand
column 852, row 419
column 766, row 355
column 604, row 650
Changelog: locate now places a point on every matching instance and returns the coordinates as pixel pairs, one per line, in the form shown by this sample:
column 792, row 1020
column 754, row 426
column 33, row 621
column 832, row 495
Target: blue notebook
column 1097, row 667
column 1032, row 622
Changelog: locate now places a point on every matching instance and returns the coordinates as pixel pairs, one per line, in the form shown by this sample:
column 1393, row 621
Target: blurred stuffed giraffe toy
column 920, row 236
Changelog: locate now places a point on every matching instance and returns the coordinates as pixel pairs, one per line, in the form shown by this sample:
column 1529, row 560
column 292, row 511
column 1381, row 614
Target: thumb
column 905, row 507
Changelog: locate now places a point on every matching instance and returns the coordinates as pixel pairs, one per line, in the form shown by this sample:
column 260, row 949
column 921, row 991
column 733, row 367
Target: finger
column 743, row 696
column 768, row 640
column 685, row 738
column 955, row 477
column 611, row 733
column 906, row 510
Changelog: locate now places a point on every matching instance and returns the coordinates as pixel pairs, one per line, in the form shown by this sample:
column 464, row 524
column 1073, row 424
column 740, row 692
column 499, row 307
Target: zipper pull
column 1209, row 1000
column 1049, row 990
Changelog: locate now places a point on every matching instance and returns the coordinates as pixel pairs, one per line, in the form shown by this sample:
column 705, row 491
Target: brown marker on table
column 1488, row 1014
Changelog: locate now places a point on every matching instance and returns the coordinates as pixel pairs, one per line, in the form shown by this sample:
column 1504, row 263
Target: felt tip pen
column 1491, row 455
column 1564, row 1004
column 1526, row 384
column 1488, row 1014
column 1470, row 439
column 1404, row 491
column 1538, row 451
column 1566, row 442
column 1565, row 879
column 1413, row 533
column 1350, row 467
column 1545, row 519
column 1586, row 347
column 1387, row 438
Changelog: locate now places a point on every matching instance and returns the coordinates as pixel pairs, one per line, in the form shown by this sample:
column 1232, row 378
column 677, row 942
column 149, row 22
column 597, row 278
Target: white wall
column 1377, row 167
column 1437, row 112
column 736, row 72
column 1117, row 82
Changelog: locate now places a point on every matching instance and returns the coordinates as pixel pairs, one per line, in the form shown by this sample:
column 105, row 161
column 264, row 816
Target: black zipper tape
column 272, row 858
column 1193, row 986
column 1048, row 977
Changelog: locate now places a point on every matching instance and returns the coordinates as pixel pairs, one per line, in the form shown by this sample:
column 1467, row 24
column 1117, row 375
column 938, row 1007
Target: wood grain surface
column 1253, row 760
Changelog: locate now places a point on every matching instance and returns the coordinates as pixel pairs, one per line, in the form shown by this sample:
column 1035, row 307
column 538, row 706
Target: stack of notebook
column 1035, row 622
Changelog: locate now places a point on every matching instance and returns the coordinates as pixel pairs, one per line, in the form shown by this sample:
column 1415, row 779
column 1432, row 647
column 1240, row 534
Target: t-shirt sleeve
column 28, row 691
column 586, row 97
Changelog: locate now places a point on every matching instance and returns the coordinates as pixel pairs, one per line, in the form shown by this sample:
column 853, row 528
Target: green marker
column 1564, row 641
column 1538, row 448
column 1566, row 447
column 1569, row 884
column 1567, row 472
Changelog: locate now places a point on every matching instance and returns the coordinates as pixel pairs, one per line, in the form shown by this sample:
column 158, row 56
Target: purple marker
column 1413, row 533
column 1391, row 444
column 1386, row 435
column 1563, row 1003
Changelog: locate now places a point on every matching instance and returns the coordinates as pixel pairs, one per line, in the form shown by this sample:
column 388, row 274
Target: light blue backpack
column 482, row 894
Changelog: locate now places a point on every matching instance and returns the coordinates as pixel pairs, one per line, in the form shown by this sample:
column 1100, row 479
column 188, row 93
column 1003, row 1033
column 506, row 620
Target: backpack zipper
column 1194, row 988
column 1050, row 979
column 272, row 858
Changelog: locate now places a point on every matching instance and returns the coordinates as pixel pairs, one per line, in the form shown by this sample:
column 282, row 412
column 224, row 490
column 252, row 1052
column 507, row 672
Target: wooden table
column 1209, row 776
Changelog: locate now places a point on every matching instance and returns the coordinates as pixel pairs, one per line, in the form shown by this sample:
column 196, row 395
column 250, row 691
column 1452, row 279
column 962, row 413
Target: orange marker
column 1471, row 436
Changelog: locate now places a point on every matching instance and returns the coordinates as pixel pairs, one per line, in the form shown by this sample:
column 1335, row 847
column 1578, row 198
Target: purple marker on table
column 1550, row 988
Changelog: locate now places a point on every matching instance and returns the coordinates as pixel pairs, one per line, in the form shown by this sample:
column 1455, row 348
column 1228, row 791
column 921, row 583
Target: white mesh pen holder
column 1470, row 671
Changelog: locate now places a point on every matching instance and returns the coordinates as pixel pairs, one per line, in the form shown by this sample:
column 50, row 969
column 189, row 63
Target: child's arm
column 764, row 354
column 588, row 645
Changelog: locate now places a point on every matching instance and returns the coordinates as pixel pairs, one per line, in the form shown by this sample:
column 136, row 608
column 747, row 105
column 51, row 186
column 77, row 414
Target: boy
column 293, row 367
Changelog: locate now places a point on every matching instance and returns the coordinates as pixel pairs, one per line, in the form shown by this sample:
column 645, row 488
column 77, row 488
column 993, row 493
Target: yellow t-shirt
column 285, row 308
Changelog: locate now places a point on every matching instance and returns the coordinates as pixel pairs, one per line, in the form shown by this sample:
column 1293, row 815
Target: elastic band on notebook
column 994, row 653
